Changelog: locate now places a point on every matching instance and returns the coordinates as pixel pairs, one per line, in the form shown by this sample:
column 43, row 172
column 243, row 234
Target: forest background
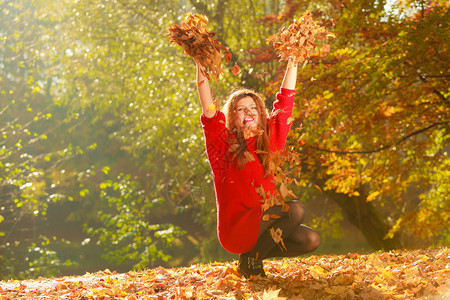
column 102, row 161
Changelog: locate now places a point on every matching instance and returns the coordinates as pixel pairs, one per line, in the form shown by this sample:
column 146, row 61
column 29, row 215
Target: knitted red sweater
column 238, row 204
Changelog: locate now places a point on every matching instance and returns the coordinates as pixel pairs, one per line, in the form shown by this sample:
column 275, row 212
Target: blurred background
column 102, row 161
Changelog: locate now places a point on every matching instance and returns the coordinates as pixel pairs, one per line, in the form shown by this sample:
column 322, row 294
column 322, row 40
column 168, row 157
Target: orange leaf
column 249, row 156
column 235, row 70
column 289, row 120
column 227, row 56
column 276, row 235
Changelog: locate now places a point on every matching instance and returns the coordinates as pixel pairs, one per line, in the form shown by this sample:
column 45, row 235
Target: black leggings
column 298, row 239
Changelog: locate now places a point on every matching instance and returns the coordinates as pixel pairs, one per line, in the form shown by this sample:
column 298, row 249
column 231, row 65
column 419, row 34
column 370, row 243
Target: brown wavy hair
column 263, row 140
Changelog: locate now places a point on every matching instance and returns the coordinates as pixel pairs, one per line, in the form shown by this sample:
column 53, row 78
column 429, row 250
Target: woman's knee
column 297, row 211
column 314, row 240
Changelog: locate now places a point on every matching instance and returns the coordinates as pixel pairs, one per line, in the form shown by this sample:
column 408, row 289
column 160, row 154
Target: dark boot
column 250, row 266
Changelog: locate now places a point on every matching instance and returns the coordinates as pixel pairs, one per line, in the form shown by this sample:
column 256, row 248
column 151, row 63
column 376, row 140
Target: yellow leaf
column 387, row 274
column 273, row 294
column 336, row 290
column 283, row 190
column 317, row 271
column 212, row 107
column 372, row 196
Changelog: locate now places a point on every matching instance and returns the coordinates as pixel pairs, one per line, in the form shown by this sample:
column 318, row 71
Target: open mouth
column 247, row 120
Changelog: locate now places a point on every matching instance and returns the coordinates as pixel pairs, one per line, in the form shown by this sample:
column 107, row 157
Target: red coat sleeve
column 279, row 120
column 215, row 134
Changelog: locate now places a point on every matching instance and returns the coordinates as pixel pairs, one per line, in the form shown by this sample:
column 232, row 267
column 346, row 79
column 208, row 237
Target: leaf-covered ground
column 419, row 274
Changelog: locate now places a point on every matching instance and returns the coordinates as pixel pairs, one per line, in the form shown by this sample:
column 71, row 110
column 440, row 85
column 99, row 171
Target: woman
column 239, row 143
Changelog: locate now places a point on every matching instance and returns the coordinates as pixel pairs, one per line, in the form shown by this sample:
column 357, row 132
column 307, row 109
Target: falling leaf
column 235, row 70
column 318, row 187
column 289, row 120
column 276, row 236
column 283, row 190
column 249, row 156
column 233, row 148
column 326, row 48
column 227, row 56
column 212, row 107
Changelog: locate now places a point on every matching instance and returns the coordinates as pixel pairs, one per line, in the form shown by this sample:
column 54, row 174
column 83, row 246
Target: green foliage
column 126, row 233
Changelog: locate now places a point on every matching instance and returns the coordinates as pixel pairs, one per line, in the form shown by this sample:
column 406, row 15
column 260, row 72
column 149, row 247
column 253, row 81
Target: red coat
column 238, row 204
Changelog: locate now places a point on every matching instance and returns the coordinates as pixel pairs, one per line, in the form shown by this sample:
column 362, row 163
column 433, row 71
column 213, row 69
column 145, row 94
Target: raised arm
column 290, row 78
column 204, row 92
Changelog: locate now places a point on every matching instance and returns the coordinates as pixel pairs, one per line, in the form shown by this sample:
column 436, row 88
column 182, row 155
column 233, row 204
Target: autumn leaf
column 196, row 41
column 418, row 274
column 249, row 156
column 227, row 56
column 266, row 218
column 283, row 190
column 235, row 70
column 272, row 295
column 233, row 147
column 372, row 196
column 276, row 236
column 296, row 43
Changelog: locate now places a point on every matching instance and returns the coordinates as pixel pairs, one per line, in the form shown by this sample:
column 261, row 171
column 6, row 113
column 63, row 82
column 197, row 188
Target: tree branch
column 423, row 78
column 399, row 141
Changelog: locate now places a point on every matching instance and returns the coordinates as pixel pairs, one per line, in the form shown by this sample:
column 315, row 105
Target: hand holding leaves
column 296, row 43
column 197, row 42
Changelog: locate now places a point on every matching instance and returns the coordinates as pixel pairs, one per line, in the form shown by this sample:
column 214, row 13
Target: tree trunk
column 365, row 217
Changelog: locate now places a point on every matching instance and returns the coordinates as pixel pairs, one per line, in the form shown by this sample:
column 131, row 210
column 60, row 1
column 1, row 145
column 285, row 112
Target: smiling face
column 247, row 115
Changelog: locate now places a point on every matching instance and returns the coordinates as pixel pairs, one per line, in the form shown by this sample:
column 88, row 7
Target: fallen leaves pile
column 195, row 39
column 419, row 274
column 296, row 43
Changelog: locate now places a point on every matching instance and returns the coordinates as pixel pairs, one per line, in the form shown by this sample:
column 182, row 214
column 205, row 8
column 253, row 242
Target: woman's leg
column 288, row 222
column 298, row 239
column 303, row 240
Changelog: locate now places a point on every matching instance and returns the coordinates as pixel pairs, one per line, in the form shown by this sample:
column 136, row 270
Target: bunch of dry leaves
column 420, row 274
column 195, row 39
column 296, row 43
